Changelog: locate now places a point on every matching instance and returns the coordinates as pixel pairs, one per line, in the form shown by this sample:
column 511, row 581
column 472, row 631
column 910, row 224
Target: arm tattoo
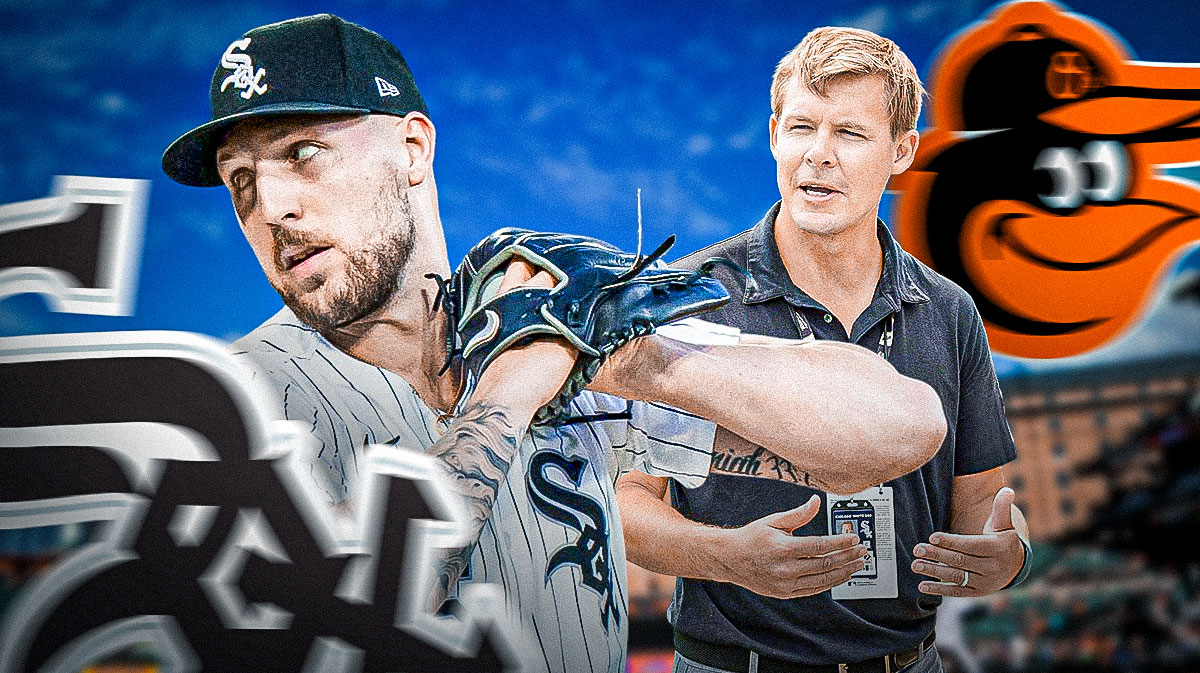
column 760, row 463
column 475, row 454
column 746, row 460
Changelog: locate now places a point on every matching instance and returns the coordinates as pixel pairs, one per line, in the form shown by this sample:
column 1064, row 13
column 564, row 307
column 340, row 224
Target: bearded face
column 366, row 279
column 323, row 203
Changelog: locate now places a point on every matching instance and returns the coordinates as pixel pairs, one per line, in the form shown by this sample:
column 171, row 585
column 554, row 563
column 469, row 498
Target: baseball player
column 326, row 147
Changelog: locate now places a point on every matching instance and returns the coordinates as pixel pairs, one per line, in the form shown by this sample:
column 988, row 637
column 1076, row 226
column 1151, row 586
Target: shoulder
column 733, row 248
column 944, row 294
column 285, row 349
column 281, row 337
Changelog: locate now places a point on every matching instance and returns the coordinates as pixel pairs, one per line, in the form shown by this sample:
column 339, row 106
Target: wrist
column 640, row 370
column 715, row 552
column 518, row 409
column 1026, row 563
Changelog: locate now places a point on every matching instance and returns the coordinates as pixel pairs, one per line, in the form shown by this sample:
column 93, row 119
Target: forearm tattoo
column 475, row 453
column 759, row 463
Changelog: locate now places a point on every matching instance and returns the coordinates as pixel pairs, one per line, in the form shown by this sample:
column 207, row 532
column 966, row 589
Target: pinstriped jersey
column 554, row 538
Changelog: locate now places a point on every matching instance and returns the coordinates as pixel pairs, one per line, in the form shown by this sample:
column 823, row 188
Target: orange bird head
column 1037, row 189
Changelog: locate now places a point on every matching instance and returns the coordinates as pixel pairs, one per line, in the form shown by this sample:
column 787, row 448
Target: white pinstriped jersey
column 554, row 539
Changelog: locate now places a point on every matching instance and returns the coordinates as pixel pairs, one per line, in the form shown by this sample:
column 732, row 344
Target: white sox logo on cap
column 245, row 76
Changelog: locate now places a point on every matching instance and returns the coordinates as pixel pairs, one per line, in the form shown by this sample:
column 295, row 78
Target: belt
column 740, row 659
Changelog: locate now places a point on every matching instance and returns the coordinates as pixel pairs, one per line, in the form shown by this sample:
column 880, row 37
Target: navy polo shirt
column 938, row 338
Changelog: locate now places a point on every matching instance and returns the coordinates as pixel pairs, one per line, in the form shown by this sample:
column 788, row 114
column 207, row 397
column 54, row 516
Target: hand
column 992, row 558
column 529, row 376
column 764, row 557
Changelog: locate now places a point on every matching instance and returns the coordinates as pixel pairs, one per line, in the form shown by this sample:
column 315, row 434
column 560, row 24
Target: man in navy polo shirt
column 845, row 104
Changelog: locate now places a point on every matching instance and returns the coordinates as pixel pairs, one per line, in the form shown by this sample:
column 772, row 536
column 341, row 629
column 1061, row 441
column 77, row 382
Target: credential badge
column 245, row 76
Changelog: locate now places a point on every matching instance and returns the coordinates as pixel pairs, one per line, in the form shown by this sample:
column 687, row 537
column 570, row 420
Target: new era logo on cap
column 386, row 88
column 311, row 65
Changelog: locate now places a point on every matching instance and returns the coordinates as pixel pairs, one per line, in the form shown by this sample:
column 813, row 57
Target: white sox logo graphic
column 77, row 247
column 213, row 543
column 579, row 512
column 245, row 77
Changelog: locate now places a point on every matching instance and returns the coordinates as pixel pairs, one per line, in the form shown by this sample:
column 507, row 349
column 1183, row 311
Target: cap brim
column 191, row 160
column 1125, row 112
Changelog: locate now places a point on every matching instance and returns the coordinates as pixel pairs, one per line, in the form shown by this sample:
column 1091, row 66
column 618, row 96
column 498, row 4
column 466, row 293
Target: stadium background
column 551, row 116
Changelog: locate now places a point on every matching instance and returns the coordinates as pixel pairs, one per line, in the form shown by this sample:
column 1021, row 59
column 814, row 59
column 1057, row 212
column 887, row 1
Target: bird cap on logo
column 310, row 65
column 1036, row 60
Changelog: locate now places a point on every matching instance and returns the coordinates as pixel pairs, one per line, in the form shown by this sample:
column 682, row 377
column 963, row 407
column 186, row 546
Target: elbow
column 915, row 435
column 905, row 432
column 926, row 424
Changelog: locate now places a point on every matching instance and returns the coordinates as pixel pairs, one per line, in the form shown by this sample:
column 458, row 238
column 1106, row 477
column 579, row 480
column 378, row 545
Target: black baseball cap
column 311, row 65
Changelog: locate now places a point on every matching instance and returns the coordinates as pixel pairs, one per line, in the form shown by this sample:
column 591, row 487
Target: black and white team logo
column 245, row 77
column 213, row 543
column 77, row 247
column 590, row 552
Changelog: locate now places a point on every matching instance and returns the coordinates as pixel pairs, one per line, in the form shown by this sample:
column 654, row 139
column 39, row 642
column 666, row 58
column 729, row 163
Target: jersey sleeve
column 983, row 439
column 700, row 332
column 667, row 442
column 663, row 441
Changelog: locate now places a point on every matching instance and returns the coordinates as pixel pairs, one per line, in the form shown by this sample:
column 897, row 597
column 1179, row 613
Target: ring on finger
column 966, row 578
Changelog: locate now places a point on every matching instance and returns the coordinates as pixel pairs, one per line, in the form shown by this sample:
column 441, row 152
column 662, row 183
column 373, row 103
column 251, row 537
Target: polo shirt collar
column 901, row 279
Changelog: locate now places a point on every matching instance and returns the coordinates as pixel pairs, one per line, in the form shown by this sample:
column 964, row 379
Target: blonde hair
column 826, row 54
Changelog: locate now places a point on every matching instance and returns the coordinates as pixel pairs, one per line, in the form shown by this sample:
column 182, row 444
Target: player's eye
column 1108, row 170
column 302, row 152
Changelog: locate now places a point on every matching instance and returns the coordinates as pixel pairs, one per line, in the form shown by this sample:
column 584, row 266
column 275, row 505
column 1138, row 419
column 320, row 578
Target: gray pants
column 928, row 663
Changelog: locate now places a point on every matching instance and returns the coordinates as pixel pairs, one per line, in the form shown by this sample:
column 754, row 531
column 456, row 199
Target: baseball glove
column 602, row 298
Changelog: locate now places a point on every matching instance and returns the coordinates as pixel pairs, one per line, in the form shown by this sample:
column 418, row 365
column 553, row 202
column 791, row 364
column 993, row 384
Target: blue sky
column 549, row 116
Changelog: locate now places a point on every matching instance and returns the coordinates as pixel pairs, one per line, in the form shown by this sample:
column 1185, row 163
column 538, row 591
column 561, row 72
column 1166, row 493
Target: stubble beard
column 373, row 273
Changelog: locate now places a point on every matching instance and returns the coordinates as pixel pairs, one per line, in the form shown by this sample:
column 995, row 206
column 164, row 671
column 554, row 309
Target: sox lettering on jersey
column 575, row 510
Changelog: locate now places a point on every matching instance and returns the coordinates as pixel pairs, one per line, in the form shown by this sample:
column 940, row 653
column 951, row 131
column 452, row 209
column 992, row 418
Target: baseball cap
column 318, row 64
column 1079, row 86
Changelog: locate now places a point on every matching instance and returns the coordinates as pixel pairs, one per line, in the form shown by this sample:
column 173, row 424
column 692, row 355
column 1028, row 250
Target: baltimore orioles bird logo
column 1037, row 188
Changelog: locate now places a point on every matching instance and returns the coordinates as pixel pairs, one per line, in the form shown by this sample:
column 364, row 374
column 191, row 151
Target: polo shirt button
column 828, row 318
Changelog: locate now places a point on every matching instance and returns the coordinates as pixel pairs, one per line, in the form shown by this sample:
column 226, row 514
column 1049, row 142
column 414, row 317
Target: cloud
column 698, row 144
column 113, row 104
column 707, row 226
column 577, row 180
column 876, row 18
column 744, row 138
column 923, row 11
column 474, row 89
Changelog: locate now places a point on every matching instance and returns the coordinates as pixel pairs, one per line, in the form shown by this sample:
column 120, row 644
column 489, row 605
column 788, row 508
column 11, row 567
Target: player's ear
column 906, row 151
column 419, row 139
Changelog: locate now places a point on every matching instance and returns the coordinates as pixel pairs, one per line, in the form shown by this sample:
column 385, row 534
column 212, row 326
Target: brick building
column 1062, row 423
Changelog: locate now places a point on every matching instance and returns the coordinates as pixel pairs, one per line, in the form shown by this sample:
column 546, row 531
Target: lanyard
column 886, row 337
